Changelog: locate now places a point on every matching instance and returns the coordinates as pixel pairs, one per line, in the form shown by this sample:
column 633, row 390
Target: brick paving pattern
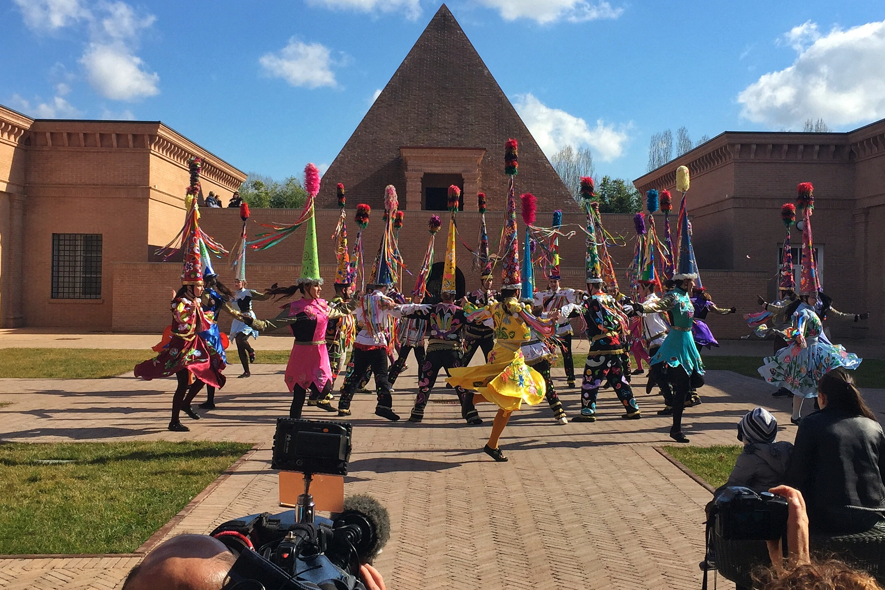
column 578, row 506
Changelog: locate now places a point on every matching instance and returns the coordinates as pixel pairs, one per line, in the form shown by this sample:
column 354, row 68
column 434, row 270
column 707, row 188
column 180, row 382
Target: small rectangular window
column 76, row 266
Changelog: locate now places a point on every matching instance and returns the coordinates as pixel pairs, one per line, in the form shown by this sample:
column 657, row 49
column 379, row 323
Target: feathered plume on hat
column 483, row 261
column 787, row 277
column 310, row 259
column 554, row 272
column 529, row 210
column 511, row 157
column 809, row 279
column 683, row 179
column 421, row 281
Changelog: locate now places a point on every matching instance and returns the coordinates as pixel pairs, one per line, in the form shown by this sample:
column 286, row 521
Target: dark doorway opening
column 436, row 191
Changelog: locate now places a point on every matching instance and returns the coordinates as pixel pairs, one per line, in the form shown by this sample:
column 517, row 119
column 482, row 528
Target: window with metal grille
column 76, row 266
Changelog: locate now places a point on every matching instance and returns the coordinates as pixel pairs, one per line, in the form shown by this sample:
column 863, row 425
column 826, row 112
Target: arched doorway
column 434, row 283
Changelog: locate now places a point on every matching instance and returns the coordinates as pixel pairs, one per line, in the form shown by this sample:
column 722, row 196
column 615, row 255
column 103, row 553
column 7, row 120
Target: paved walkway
column 580, row 506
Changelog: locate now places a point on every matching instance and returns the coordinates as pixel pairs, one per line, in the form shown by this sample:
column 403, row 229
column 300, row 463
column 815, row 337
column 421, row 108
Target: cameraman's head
column 185, row 562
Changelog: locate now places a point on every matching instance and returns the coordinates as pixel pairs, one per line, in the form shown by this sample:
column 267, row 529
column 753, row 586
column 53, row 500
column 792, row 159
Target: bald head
column 185, row 562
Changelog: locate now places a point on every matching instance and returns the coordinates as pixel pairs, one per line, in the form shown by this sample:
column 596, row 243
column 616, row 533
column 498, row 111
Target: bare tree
column 815, row 126
column 660, row 149
column 571, row 165
column 683, row 141
column 704, row 139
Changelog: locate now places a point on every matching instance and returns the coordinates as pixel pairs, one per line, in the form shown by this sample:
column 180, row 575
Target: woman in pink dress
column 308, row 367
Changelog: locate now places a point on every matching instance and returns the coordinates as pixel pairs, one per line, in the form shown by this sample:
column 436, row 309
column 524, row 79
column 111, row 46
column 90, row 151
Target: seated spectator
column 838, row 460
column 235, row 201
column 763, row 462
column 800, row 570
column 212, row 201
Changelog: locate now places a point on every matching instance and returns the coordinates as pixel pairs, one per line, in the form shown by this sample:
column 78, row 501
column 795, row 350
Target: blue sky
column 269, row 86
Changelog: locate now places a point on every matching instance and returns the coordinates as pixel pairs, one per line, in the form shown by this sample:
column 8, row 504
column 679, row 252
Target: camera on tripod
column 297, row 550
column 742, row 514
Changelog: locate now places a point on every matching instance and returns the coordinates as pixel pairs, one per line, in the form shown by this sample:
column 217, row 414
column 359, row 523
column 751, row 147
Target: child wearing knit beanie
column 763, row 462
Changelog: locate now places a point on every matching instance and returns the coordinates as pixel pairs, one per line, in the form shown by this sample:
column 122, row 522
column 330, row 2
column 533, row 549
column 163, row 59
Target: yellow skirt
column 506, row 380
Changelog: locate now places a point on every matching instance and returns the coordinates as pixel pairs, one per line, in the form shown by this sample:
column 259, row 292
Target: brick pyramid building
column 442, row 119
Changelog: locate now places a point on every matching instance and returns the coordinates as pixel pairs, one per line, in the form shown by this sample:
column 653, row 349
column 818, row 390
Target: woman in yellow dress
column 505, row 380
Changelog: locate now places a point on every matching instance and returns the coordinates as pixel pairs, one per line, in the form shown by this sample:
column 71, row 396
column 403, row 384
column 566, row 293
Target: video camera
column 742, row 514
column 296, row 550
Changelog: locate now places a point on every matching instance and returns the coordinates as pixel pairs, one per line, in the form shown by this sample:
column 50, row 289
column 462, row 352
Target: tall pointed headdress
column 192, row 265
column 238, row 253
column 384, row 271
column 787, row 279
column 529, row 213
column 448, row 281
column 510, row 274
column 421, row 280
column 310, row 260
column 362, row 222
column 648, row 268
column 686, row 263
column 669, row 266
column 554, row 273
column 591, row 258
column 344, row 272
column 483, row 260
column 809, row 280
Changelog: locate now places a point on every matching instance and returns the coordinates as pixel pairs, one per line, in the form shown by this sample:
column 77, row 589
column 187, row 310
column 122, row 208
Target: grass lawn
column 712, row 464
column 93, row 363
column 871, row 372
column 100, row 497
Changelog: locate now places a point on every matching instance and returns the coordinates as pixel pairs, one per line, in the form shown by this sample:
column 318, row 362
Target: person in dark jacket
column 838, row 460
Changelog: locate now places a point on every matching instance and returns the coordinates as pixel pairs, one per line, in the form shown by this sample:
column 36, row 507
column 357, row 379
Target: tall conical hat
column 483, row 260
column 669, row 265
column 192, row 266
column 787, row 279
column 384, row 271
column 809, row 280
column 554, row 274
column 510, row 273
column 448, row 280
column 344, row 272
column 529, row 209
column 208, row 270
column 310, row 260
column 421, row 280
column 591, row 258
column 238, row 254
column 686, row 264
column 648, row 265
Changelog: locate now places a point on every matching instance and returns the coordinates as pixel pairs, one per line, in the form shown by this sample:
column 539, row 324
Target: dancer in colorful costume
column 555, row 298
column 374, row 311
column 215, row 299
column 240, row 332
column 678, row 360
column 606, row 323
column 799, row 366
column 341, row 331
column 506, row 380
column 445, row 323
column 703, row 304
column 187, row 354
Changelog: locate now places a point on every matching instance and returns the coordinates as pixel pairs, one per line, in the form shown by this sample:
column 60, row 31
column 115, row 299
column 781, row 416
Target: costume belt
column 606, row 352
column 681, row 329
column 601, row 336
column 655, row 337
column 314, row 343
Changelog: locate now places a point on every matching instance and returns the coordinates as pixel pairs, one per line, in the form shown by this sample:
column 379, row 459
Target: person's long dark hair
column 791, row 308
column 842, row 394
column 701, row 292
column 181, row 292
column 825, row 304
column 219, row 287
column 279, row 293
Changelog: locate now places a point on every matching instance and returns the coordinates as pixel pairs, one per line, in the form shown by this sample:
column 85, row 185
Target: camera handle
column 305, row 509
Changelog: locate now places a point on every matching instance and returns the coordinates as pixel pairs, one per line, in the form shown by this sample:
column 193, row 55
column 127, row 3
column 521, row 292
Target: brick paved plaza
column 579, row 506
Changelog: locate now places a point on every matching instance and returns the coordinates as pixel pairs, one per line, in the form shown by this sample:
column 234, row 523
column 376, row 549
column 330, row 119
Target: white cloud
column 548, row 11
column 838, row 77
column 51, row 15
column 122, row 23
column 118, row 74
column 57, row 108
column 554, row 129
column 301, row 64
column 411, row 8
column 375, row 96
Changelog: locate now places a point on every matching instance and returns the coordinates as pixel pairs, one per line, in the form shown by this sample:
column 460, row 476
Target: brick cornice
column 175, row 148
column 13, row 126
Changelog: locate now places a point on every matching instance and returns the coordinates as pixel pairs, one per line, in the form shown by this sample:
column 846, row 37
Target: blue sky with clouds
column 270, row 85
